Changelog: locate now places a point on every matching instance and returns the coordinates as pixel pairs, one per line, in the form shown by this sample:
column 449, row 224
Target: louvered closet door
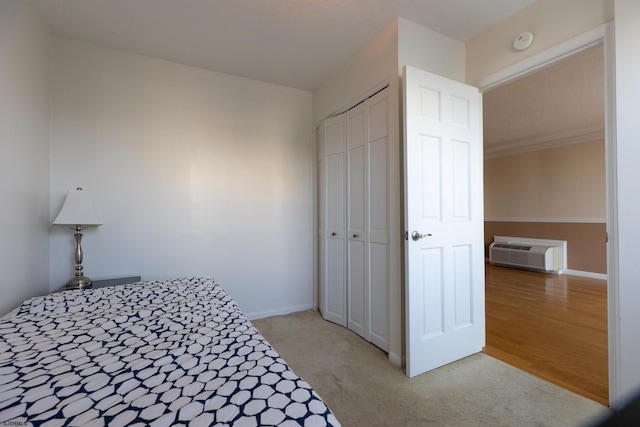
column 333, row 220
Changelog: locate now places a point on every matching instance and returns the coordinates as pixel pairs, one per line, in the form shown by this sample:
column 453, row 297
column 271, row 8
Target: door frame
column 603, row 34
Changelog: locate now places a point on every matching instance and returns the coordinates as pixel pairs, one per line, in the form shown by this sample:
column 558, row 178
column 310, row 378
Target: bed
column 159, row 353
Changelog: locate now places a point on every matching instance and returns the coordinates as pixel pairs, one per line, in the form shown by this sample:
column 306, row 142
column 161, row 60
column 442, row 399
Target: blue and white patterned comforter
column 154, row 353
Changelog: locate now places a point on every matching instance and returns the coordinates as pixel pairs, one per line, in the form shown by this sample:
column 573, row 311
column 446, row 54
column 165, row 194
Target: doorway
column 546, row 166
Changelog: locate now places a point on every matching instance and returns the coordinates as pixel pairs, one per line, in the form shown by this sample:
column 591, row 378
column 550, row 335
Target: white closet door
column 378, row 221
column 334, row 269
column 358, row 289
column 322, row 243
column 355, row 257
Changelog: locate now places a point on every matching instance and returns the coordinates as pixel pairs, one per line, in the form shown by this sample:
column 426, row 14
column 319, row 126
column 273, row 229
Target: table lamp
column 78, row 210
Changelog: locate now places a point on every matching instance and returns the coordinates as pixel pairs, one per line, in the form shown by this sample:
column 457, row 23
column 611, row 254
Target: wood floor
column 552, row 326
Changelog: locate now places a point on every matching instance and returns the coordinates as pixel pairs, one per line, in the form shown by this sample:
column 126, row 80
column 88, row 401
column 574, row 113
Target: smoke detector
column 523, row 41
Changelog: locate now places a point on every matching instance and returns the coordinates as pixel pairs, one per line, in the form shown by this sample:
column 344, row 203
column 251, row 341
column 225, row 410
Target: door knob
column 417, row 236
column 355, row 235
column 334, row 233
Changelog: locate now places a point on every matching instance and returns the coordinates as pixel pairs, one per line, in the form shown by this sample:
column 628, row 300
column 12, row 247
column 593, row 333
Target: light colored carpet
column 363, row 388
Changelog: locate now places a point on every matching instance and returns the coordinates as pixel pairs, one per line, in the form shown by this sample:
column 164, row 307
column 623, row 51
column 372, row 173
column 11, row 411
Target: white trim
column 558, row 220
column 589, row 274
column 613, row 284
column 278, row 312
column 601, row 34
column 545, row 58
column 545, row 142
column 396, row 359
column 599, row 276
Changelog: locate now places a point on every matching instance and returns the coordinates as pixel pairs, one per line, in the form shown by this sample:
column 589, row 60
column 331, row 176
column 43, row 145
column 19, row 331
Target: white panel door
column 333, row 257
column 444, row 220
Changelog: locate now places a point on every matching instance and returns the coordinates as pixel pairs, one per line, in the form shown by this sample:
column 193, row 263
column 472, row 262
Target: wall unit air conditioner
column 531, row 257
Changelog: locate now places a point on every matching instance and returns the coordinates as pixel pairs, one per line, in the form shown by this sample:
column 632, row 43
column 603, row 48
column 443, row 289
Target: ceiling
column 295, row 43
column 300, row 43
column 559, row 105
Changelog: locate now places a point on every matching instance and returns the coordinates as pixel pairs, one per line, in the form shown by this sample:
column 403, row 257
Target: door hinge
column 406, row 235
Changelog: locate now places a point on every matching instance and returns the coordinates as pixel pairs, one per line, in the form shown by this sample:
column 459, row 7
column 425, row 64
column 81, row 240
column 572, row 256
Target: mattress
column 160, row 353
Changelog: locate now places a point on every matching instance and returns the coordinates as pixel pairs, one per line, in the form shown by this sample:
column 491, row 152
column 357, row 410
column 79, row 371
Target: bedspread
column 153, row 353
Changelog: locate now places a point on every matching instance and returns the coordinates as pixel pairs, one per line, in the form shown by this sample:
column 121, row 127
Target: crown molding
column 543, row 142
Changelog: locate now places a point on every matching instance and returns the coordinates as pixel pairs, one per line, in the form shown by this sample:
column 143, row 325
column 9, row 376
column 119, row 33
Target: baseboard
column 396, row 359
column 600, row 276
column 589, row 274
column 278, row 312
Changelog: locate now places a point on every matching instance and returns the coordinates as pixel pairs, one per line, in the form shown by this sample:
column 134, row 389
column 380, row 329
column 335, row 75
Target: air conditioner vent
column 530, row 257
column 512, row 246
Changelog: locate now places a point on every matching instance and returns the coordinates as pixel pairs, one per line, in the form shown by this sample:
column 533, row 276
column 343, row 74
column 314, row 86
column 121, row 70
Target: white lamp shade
column 78, row 209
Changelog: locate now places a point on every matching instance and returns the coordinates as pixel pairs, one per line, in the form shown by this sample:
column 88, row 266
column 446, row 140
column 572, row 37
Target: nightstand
column 103, row 283
column 114, row 282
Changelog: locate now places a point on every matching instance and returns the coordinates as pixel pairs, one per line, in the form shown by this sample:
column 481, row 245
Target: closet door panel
column 357, row 285
column 322, row 237
column 357, row 118
column 356, row 191
column 334, row 268
column 335, row 136
column 358, row 307
column 379, row 191
column 379, row 212
column 379, row 274
column 357, row 139
column 378, row 116
column 335, row 196
column 335, row 273
column 335, row 255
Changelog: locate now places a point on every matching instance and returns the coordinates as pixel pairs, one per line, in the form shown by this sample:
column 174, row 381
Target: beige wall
column 565, row 183
column 586, row 241
column 558, row 194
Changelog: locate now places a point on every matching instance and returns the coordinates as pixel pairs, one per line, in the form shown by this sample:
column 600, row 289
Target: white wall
column 627, row 39
column 430, row 51
column 194, row 173
column 372, row 65
column 24, row 154
column 400, row 43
